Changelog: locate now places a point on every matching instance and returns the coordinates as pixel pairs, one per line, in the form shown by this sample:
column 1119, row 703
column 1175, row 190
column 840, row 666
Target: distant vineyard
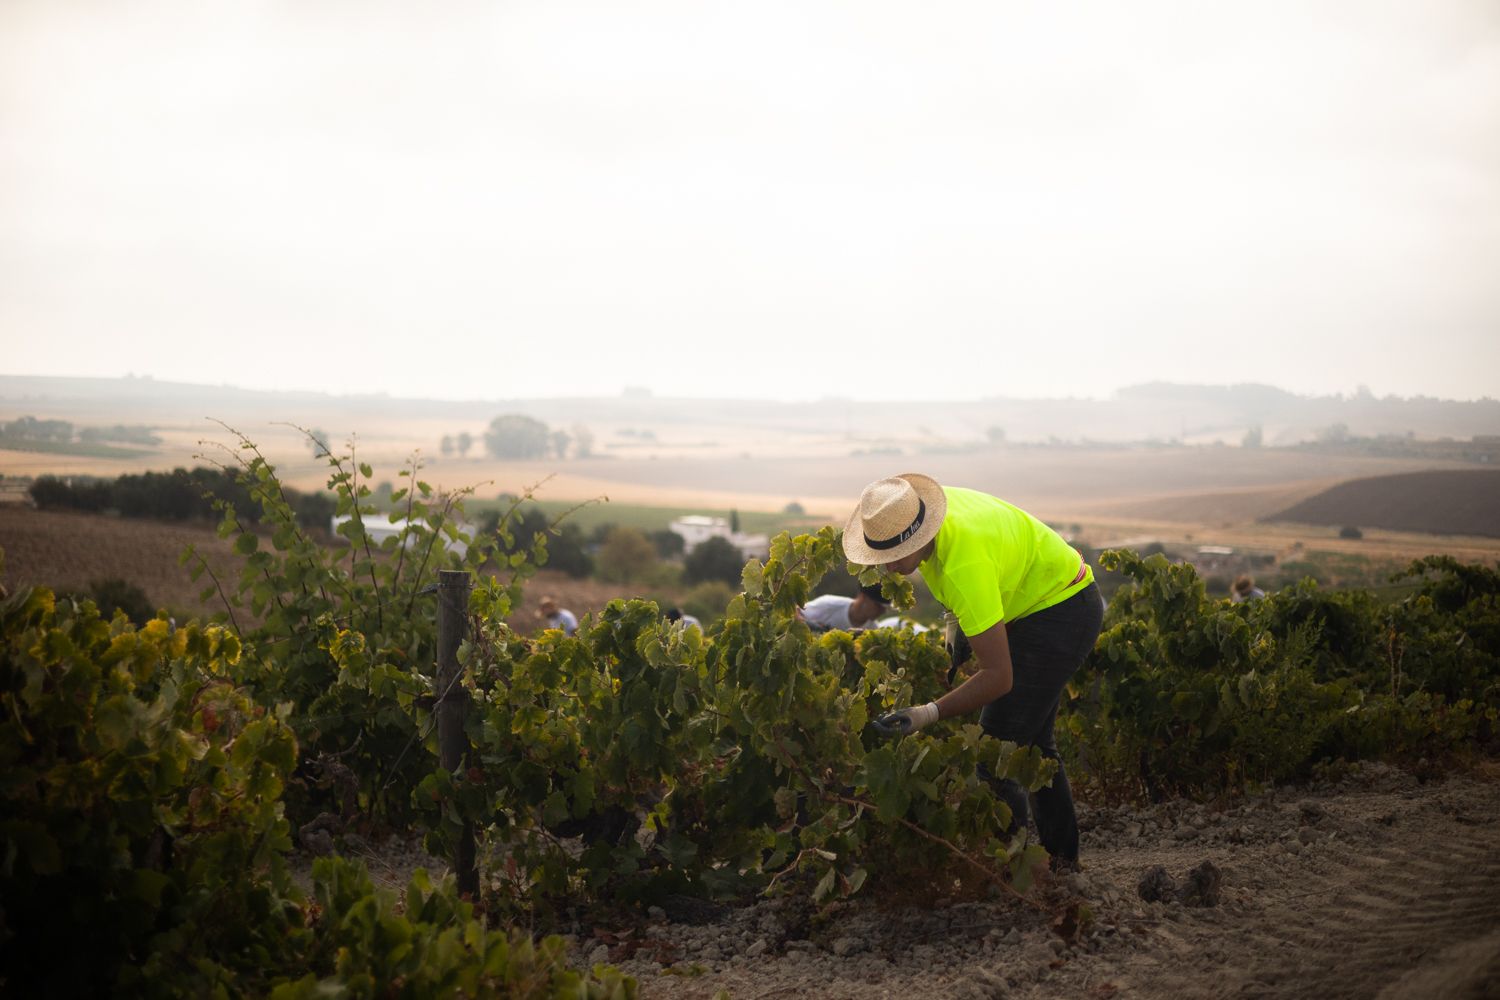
column 1446, row 502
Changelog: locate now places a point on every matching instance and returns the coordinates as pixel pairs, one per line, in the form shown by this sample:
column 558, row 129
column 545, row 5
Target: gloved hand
column 907, row 720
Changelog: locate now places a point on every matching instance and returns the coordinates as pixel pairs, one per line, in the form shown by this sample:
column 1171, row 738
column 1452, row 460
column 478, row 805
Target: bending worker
column 848, row 613
column 1024, row 597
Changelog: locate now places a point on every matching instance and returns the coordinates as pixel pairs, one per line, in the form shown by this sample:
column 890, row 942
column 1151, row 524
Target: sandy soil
column 1379, row 885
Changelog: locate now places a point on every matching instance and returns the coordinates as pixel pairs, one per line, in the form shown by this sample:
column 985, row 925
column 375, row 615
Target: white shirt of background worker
column 558, row 617
column 848, row 613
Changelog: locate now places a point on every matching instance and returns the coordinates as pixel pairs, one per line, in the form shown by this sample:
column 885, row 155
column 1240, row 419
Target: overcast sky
column 783, row 200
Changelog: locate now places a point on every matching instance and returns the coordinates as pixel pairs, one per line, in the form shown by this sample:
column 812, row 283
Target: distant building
column 379, row 527
column 696, row 529
column 1213, row 557
column 16, row 491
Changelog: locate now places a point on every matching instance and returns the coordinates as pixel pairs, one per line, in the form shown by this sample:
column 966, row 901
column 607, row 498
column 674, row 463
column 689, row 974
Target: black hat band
column 891, row 543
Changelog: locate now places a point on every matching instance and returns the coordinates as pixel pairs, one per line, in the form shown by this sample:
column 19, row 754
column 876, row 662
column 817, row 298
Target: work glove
column 907, row 720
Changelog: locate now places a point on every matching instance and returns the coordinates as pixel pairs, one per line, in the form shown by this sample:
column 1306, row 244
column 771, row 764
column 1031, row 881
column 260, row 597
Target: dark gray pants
column 1046, row 649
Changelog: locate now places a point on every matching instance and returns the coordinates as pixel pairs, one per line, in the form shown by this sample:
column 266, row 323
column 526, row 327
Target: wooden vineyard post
column 453, row 704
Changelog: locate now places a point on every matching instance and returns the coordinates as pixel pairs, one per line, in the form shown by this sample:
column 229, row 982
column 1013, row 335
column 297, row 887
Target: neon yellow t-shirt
column 996, row 563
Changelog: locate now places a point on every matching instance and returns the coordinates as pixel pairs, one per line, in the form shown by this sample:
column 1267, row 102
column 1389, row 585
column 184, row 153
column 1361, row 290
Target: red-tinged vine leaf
column 1073, row 922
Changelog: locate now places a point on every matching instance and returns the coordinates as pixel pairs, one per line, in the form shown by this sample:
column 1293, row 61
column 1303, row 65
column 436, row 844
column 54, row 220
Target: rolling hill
column 1447, row 501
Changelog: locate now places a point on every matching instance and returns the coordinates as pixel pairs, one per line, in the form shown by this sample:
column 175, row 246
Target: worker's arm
column 992, row 679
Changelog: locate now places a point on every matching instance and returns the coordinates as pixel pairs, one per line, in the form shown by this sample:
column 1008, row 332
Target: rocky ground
column 1378, row 885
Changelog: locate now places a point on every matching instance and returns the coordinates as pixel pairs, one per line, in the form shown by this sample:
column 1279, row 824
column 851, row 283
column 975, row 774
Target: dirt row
column 1377, row 885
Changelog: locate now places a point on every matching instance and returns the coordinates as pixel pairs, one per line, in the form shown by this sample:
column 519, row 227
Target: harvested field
column 1446, row 501
column 68, row 551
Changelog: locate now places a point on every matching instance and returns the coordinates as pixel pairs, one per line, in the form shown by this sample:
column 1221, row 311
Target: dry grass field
column 67, row 551
column 1214, row 481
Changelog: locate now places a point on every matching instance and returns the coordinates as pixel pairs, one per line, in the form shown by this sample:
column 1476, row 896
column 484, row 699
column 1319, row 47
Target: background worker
column 1244, row 589
column 687, row 620
column 848, row 613
column 558, row 617
column 1024, row 598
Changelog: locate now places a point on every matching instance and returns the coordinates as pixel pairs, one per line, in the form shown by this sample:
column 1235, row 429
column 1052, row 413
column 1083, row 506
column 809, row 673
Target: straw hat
column 895, row 518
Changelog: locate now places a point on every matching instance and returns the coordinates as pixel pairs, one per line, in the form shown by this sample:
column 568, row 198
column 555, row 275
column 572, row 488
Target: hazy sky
column 800, row 199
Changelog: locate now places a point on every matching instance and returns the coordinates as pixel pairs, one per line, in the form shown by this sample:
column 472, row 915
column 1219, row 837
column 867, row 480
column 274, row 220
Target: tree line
column 517, row 436
column 31, row 429
column 616, row 553
column 179, row 495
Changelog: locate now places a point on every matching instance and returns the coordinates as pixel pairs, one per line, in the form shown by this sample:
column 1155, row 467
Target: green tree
column 565, row 551
column 707, row 601
column 583, row 441
column 1334, row 434
column 1253, row 437
column 317, row 441
column 564, row 542
column 713, row 559
column 446, row 445
column 115, row 594
column 669, row 544
column 515, row 435
column 626, row 555
column 560, row 442
column 32, row 429
column 464, row 441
